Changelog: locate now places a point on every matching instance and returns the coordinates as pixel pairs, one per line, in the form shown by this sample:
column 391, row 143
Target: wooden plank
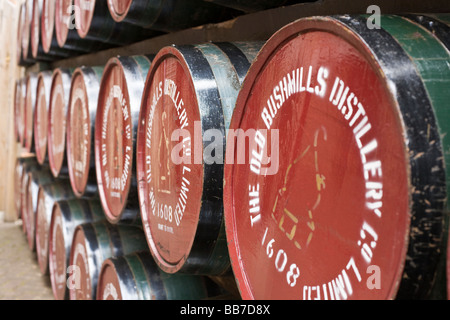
column 8, row 73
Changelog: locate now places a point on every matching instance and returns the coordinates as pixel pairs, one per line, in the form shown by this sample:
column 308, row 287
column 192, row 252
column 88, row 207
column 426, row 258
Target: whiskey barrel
column 66, row 32
column 48, row 33
column 37, row 49
column 59, row 189
column 354, row 184
column 186, row 108
column 115, row 135
column 34, row 181
column 137, row 277
column 30, row 107
column 28, row 167
column 252, row 5
column 44, row 84
column 94, row 22
column 80, row 129
column 57, row 115
column 22, row 163
column 169, row 15
column 92, row 244
column 66, row 216
column 20, row 25
column 439, row 26
column 19, row 108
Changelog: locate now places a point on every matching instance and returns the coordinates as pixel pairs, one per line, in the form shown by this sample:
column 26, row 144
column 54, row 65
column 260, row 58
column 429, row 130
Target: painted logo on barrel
column 57, row 130
column 116, row 142
column 79, row 135
column 170, row 192
column 40, row 130
column 339, row 202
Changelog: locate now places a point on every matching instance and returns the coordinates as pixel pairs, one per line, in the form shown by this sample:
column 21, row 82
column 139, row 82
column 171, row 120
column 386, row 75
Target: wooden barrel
column 37, row 49
column 28, row 167
column 350, row 205
column 59, row 189
column 34, row 181
column 20, row 25
column 48, row 34
column 30, row 107
column 29, row 36
column 115, row 135
column 66, row 32
column 439, row 26
column 180, row 153
column 22, row 163
column 57, row 115
column 81, row 128
column 252, row 5
column 66, row 216
column 18, row 110
column 92, row 244
column 168, row 16
column 137, row 277
column 44, row 84
column 94, row 22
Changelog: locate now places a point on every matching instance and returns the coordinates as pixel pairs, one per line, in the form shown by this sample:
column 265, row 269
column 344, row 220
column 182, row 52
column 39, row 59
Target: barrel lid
column 58, row 253
column 35, row 28
column 170, row 189
column 320, row 202
column 83, row 19
column 63, row 20
column 41, row 114
column 119, row 9
column 42, row 227
column 26, row 34
column 30, row 104
column 118, row 108
column 56, row 136
column 109, row 285
column 47, row 23
column 78, row 134
column 80, row 259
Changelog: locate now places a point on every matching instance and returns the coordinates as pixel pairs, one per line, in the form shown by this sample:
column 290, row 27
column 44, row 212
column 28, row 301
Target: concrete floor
column 20, row 277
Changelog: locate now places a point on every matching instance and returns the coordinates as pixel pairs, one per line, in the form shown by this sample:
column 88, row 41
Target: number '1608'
column 281, row 261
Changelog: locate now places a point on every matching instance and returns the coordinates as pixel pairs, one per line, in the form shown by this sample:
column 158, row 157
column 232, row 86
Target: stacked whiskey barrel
column 310, row 166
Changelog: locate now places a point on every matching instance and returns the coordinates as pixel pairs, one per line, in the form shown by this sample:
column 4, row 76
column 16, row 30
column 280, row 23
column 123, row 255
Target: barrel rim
column 78, row 190
column 82, row 29
column 44, row 83
column 59, row 24
column 47, row 25
column 288, row 32
column 65, row 77
column 42, row 261
column 118, row 285
column 114, row 62
column 116, row 15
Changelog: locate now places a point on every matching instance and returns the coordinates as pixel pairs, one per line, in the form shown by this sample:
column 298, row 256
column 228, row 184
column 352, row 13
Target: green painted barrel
column 92, row 244
column 439, row 27
column 137, row 277
column 48, row 194
column 432, row 61
column 66, row 216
